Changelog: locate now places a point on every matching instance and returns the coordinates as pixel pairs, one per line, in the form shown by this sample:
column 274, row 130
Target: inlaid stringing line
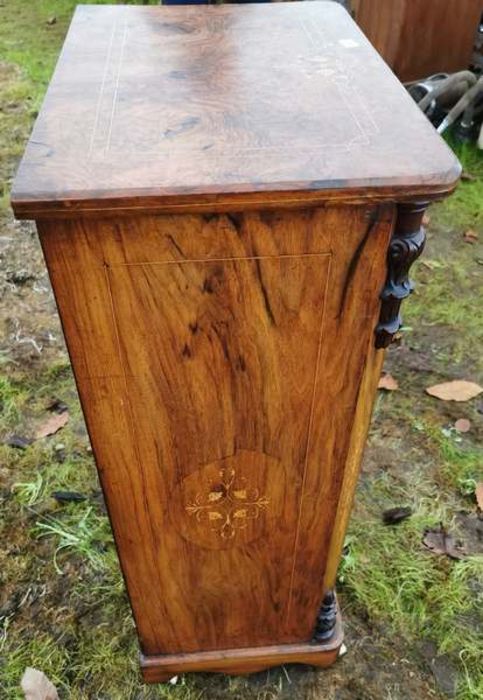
column 118, row 79
column 342, row 92
column 309, row 435
column 101, row 90
column 214, row 260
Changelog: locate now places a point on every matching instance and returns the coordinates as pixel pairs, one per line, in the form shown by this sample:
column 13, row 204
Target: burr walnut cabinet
column 228, row 199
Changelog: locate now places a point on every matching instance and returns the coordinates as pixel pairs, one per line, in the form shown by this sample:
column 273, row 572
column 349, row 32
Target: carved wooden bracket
column 406, row 246
column 326, row 619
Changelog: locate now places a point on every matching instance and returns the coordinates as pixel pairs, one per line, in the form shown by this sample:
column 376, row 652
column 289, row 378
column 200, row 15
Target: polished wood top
column 187, row 107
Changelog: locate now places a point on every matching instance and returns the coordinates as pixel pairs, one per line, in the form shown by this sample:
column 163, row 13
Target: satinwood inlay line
column 313, row 60
column 309, row 431
column 116, row 88
column 198, row 261
column 355, row 96
column 101, row 91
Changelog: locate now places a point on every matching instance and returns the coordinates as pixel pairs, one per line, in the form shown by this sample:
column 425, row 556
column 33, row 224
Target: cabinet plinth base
column 159, row 669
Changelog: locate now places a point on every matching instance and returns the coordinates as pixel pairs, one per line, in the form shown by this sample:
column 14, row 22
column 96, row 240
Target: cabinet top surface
column 182, row 106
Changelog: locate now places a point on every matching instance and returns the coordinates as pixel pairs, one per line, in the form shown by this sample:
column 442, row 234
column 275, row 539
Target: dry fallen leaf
column 393, row 516
column 433, row 264
column 57, row 406
column 68, row 496
column 388, row 383
column 470, row 236
column 18, row 441
column 438, row 541
column 479, row 494
column 457, row 390
column 52, row 425
column 36, row 686
column 462, row 425
column 343, row 650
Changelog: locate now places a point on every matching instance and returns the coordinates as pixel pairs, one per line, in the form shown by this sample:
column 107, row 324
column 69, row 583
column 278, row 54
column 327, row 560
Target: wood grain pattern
column 156, row 669
column 418, row 38
column 215, row 372
column 158, row 108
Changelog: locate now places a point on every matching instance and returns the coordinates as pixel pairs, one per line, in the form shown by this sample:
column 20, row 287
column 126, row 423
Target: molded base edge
column 159, row 669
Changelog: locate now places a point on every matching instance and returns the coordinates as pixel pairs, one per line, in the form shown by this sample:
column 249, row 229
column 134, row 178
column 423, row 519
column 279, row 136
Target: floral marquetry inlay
column 227, row 503
column 229, row 506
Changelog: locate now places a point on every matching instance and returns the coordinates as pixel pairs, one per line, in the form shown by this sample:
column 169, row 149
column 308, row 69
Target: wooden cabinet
column 418, row 38
column 228, row 213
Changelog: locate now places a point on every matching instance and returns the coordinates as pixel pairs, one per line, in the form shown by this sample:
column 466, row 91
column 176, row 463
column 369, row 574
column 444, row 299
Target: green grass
column 388, row 573
column 12, row 400
column 456, row 310
column 29, row 47
column 464, row 209
column 87, row 535
column 42, row 651
column 462, row 467
column 421, row 596
column 28, row 40
column 449, row 276
column 74, row 473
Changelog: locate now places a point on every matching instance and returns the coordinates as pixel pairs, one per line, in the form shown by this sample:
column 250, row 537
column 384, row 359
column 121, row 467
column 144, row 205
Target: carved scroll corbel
column 405, row 247
column 326, row 619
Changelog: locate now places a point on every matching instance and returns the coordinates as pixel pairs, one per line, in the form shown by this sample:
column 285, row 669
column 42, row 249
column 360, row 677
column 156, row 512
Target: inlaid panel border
column 206, row 261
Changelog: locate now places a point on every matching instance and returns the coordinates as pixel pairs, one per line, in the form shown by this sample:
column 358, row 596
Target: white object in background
column 480, row 139
column 36, row 686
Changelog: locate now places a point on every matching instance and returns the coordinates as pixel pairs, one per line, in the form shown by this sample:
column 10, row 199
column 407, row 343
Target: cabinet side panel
column 219, row 360
column 77, row 271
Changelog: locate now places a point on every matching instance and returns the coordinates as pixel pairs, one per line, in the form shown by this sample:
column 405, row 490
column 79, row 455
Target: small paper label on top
column 348, row 43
